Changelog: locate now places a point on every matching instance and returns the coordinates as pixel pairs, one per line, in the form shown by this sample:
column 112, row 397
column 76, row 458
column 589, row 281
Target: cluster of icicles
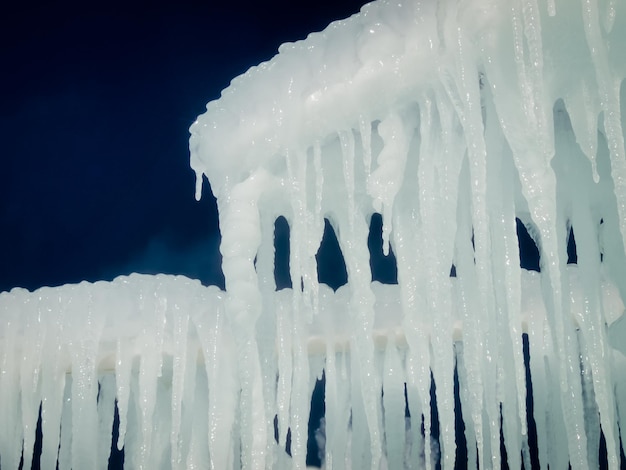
column 450, row 119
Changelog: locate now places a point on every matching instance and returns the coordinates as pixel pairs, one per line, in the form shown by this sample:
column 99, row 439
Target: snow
column 451, row 120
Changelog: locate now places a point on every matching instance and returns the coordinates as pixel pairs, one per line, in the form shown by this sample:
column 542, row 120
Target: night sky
column 97, row 99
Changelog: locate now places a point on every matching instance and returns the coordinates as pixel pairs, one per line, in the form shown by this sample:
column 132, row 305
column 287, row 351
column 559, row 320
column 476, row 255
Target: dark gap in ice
column 288, row 443
column 314, row 453
column 281, row 253
column 601, row 260
column 434, row 421
column 36, row 465
column 603, row 457
column 504, row 457
column 276, row 432
column 453, row 271
column 288, row 438
column 528, row 251
column 459, row 424
column 38, row 441
column 116, row 458
column 572, row 256
column 407, row 412
column 331, row 266
column 530, row 419
column 384, row 268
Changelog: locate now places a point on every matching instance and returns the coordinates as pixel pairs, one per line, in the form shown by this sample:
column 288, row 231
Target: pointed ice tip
column 198, row 186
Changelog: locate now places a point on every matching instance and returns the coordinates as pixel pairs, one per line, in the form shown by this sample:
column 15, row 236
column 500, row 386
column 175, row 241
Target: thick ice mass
column 450, row 119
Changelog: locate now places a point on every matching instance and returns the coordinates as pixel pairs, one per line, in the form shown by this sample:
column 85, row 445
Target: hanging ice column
column 451, row 120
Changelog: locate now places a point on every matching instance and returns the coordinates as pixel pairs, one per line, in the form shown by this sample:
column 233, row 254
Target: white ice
column 451, row 119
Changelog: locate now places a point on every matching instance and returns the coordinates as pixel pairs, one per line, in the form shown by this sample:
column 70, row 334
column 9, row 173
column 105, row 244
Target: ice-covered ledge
column 139, row 315
column 141, row 336
column 392, row 55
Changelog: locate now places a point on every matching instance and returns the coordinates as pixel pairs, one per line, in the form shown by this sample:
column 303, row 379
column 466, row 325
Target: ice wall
column 161, row 349
column 451, row 119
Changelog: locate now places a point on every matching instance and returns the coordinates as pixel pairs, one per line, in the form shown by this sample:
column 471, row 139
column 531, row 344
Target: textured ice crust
column 450, row 119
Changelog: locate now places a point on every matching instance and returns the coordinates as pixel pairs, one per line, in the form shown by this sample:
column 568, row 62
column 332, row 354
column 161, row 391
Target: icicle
column 241, row 238
column 300, row 393
column 384, row 182
column 466, row 405
column 123, row 366
column 218, row 353
column 149, row 371
column 319, row 181
column 393, row 405
column 65, row 445
column 416, row 331
column 30, row 370
column 507, row 276
column 11, row 432
column 608, row 19
column 346, row 139
column 437, row 259
column 589, row 318
column 52, row 380
column 609, row 91
column 353, row 233
column 583, row 113
column 180, row 338
column 365, row 129
column 285, row 365
column 618, row 363
column 198, row 453
column 337, row 390
column 88, row 321
column 266, row 326
column 468, row 303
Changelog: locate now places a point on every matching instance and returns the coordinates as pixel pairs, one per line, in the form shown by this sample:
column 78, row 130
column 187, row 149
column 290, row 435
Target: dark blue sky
column 97, row 99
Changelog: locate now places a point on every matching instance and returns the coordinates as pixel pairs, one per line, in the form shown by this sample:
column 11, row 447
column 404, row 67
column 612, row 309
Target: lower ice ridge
column 159, row 353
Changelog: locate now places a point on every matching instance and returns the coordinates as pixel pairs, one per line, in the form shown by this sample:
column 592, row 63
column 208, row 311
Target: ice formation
column 449, row 118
